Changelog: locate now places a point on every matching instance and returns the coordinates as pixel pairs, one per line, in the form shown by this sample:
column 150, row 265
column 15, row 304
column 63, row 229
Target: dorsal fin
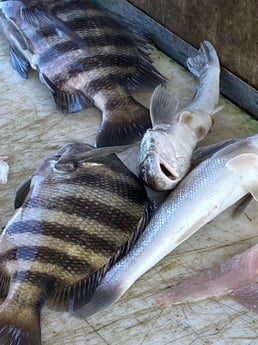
column 163, row 105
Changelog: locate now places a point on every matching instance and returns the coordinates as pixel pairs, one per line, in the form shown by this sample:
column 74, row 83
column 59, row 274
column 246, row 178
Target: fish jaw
column 164, row 157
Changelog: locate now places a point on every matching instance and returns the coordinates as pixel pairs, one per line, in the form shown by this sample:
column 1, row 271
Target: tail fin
column 123, row 126
column 19, row 326
column 206, row 55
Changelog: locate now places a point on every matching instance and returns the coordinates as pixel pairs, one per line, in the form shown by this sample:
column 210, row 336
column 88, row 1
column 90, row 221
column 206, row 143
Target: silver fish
column 85, row 57
column 166, row 149
column 75, row 219
column 211, row 187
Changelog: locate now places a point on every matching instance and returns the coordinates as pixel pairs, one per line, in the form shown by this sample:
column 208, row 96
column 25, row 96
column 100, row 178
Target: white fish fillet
column 4, row 169
column 235, row 277
column 207, row 190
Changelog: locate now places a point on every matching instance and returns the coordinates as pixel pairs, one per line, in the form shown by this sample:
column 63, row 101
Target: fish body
column 4, row 169
column 85, row 57
column 211, row 187
column 235, row 278
column 166, row 149
column 74, row 221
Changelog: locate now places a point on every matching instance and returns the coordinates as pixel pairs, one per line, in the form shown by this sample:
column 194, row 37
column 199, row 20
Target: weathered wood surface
column 232, row 26
column 31, row 128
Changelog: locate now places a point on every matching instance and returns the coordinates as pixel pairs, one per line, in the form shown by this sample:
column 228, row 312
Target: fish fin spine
column 65, row 101
column 19, row 326
column 19, row 63
column 120, row 127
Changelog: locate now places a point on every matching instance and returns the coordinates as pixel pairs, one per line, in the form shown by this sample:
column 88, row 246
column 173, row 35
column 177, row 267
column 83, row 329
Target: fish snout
column 158, row 174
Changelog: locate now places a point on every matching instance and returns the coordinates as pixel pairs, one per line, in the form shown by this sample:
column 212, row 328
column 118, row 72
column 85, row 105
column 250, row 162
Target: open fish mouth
column 158, row 174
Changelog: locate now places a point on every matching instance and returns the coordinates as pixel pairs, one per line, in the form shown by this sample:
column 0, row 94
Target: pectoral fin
column 242, row 162
column 205, row 152
column 242, row 205
column 19, row 63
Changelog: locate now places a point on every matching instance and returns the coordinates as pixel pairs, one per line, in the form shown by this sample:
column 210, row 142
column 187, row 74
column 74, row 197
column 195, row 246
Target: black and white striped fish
column 76, row 218
column 85, row 57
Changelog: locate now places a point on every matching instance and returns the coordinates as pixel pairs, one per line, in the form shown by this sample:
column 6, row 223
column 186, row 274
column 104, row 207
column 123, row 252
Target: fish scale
column 85, row 56
column 212, row 186
column 71, row 226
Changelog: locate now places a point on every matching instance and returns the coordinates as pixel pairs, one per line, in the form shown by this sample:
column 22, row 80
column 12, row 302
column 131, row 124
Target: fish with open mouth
column 76, row 217
column 85, row 57
column 211, row 187
column 166, row 149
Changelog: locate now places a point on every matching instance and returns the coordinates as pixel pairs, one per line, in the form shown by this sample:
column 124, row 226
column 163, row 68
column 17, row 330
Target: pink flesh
column 235, row 277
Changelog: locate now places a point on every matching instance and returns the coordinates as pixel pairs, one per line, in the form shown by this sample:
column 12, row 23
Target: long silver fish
column 76, row 218
column 166, row 149
column 85, row 57
column 214, row 185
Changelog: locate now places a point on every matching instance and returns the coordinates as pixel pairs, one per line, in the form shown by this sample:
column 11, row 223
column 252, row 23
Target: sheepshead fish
column 85, row 57
column 235, row 278
column 4, row 169
column 167, row 148
column 75, row 220
column 211, row 187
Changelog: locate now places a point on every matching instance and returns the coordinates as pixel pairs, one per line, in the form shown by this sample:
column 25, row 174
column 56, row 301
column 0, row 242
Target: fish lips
column 157, row 173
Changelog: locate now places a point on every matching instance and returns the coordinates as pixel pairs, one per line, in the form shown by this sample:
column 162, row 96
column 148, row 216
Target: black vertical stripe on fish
column 90, row 63
column 67, row 234
column 113, row 216
column 47, row 30
column 75, row 221
column 47, row 256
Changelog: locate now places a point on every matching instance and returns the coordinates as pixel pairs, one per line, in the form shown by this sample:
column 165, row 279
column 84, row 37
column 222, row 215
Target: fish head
column 63, row 162
column 163, row 160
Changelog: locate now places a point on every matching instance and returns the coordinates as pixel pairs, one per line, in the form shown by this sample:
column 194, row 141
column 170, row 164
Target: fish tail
column 123, row 126
column 19, row 325
column 206, row 56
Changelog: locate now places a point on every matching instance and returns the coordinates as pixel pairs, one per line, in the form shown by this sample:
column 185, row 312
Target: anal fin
column 122, row 126
column 67, row 102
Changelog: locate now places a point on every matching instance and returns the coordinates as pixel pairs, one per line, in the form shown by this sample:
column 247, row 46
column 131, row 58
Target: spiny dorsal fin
column 163, row 105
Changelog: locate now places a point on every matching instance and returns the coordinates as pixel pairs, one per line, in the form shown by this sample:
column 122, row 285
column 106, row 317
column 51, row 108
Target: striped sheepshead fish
column 85, row 56
column 78, row 215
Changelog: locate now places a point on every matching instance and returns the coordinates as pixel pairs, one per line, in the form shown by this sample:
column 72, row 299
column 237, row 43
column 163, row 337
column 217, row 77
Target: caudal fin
column 123, row 126
column 19, row 327
column 206, row 56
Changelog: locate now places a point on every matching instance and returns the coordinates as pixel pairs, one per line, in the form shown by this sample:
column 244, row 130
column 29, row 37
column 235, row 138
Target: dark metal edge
column 235, row 89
